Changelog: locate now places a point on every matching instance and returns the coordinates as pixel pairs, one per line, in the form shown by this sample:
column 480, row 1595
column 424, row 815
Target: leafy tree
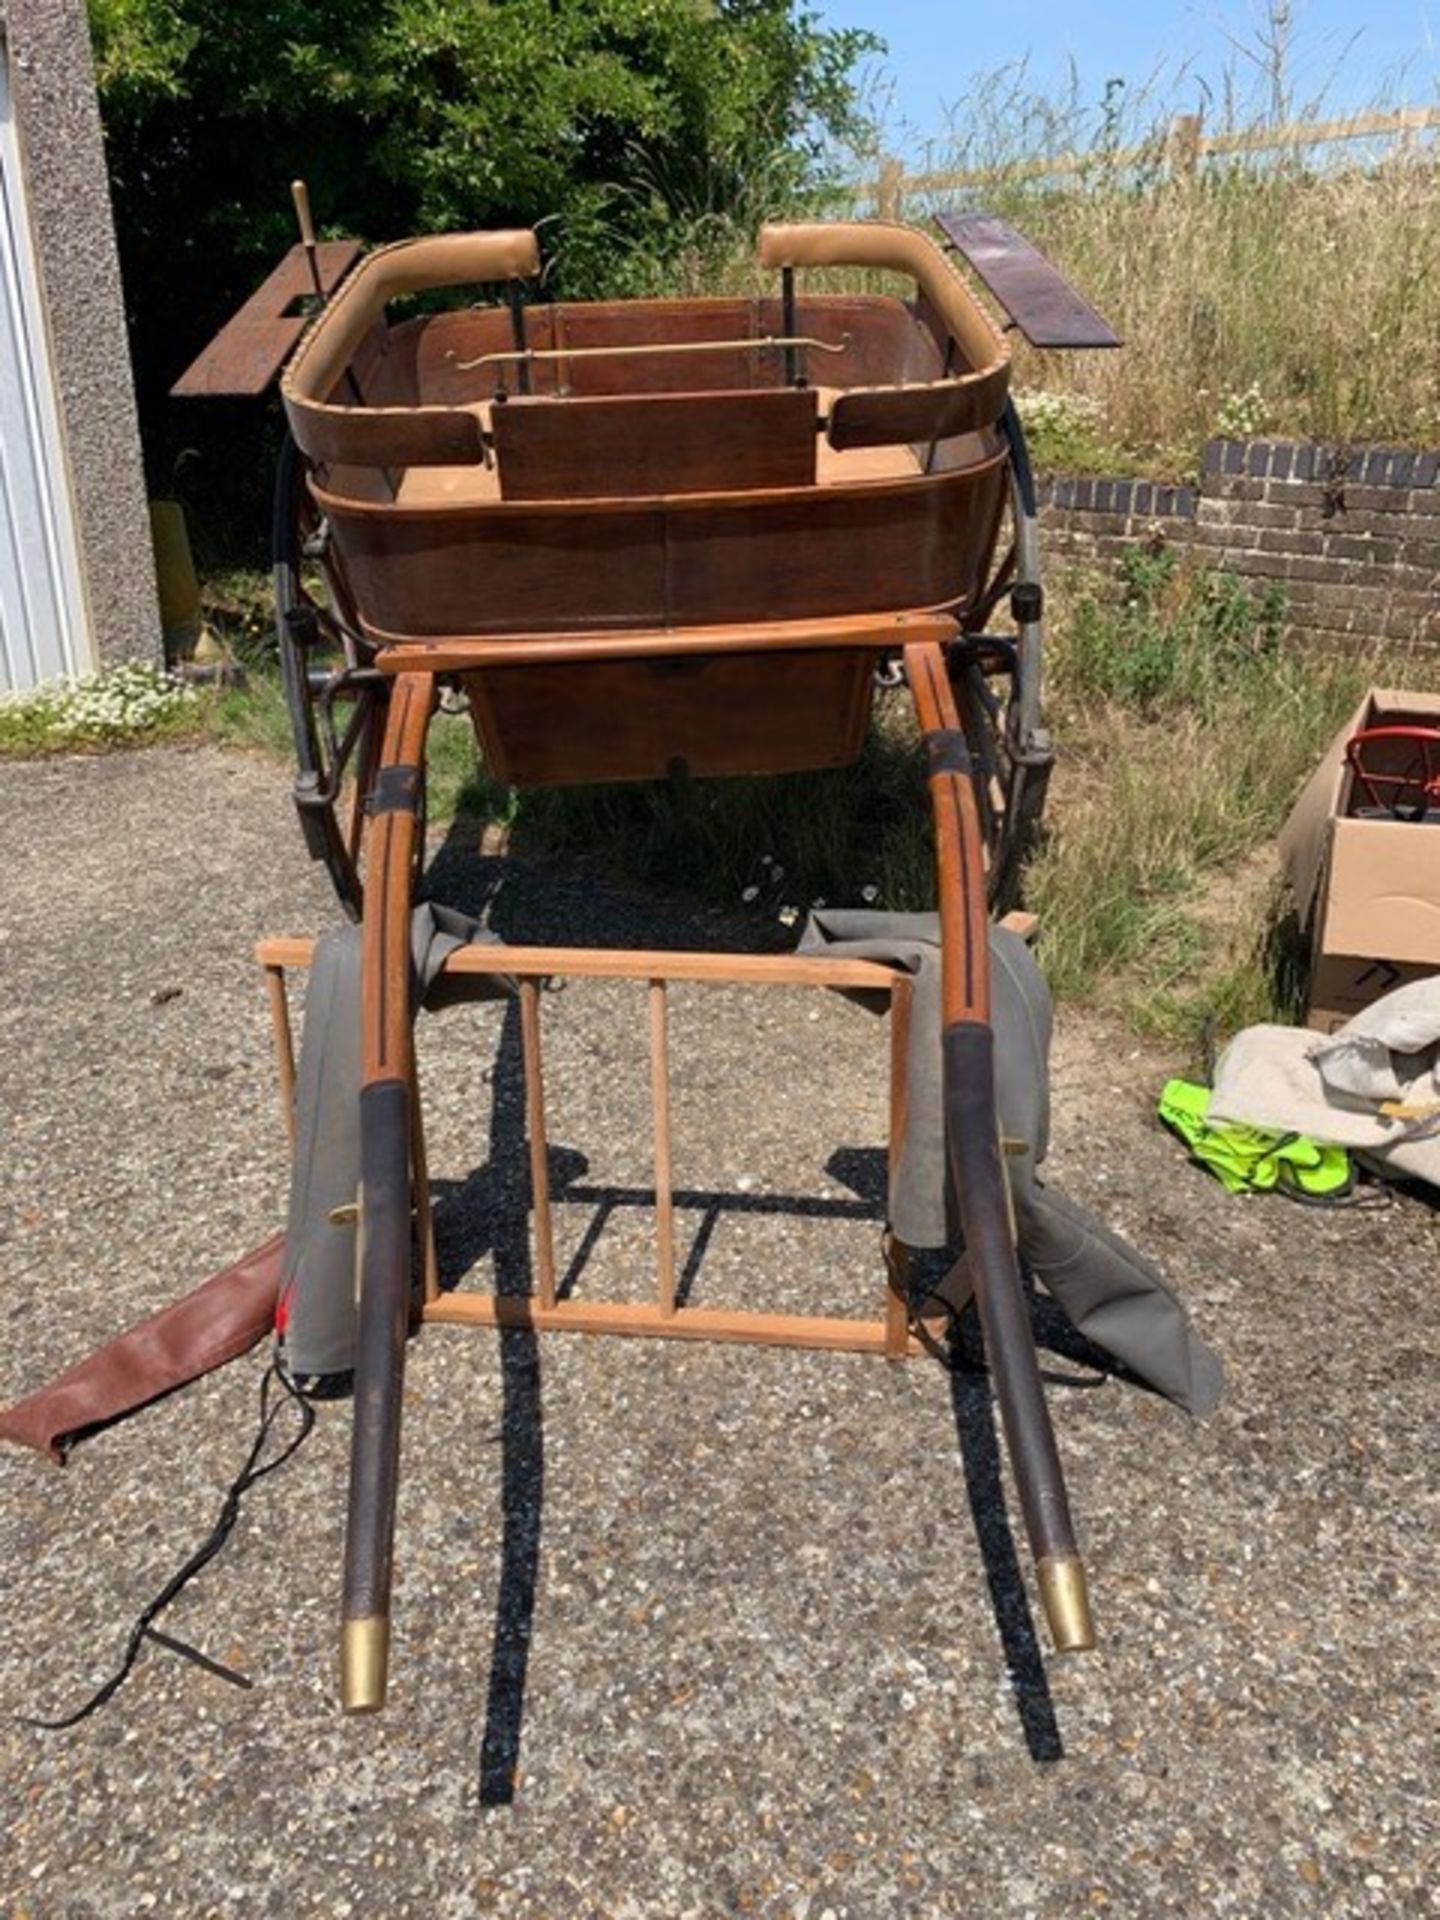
column 645, row 134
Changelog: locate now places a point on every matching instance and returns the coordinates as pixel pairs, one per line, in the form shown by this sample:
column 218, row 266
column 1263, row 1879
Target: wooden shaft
column 959, row 846
column 664, row 1177
column 386, row 1049
column 976, row 1165
column 539, row 1145
column 386, row 1135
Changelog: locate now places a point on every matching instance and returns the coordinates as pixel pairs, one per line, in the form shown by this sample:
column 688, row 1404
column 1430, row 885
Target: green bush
column 640, row 131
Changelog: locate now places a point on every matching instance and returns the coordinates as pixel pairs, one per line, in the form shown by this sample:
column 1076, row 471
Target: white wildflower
column 114, row 704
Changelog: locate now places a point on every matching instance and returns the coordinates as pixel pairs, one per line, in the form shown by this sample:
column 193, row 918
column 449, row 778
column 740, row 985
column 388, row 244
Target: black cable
column 201, row 1558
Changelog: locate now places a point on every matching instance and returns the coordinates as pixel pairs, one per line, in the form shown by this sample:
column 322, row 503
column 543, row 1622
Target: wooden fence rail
column 1178, row 151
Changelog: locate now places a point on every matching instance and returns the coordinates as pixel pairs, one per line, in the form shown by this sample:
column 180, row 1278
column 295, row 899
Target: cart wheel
column 335, row 697
column 1009, row 785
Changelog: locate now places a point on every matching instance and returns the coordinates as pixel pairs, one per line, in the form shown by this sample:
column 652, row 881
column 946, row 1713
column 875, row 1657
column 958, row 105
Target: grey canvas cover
column 318, row 1285
column 1108, row 1291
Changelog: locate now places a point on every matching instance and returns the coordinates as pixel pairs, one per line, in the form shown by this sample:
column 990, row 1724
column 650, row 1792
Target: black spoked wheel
column 1010, row 775
column 996, row 680
column 335, row 697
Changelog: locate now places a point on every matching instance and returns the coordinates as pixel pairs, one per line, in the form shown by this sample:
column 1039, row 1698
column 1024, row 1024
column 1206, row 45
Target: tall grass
column 1250, row 301
column 1252, row 297
column 1286, row 293
column 1186, row 728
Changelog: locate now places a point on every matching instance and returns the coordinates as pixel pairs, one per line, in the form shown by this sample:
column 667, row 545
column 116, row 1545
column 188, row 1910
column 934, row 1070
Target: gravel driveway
column 680, row 1630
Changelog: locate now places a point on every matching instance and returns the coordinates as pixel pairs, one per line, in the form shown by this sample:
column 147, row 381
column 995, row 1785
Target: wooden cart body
column 646, row 538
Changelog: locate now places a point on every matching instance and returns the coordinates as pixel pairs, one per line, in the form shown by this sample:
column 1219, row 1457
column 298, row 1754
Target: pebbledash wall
column 77, row 578
column 1350, row 533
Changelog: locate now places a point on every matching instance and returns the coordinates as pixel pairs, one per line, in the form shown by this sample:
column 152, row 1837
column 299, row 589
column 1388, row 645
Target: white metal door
column 43, row 630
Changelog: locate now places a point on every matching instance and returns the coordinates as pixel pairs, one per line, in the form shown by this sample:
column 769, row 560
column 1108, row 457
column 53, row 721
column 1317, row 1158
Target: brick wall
column 1351, row 534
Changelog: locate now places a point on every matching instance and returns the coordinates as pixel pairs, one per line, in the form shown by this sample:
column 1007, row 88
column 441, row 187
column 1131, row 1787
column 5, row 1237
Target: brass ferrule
column 1066, row 1602
column 364, row 1663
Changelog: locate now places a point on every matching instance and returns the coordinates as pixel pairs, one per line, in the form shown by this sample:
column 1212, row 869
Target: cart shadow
column 973, row 1405
column 541, row 903
column 488, row 1214
column 491, row 1206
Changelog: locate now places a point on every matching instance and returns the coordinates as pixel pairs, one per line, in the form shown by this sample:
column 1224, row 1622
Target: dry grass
column 1252, row 299
column 1186, row 730
column 1253, row 302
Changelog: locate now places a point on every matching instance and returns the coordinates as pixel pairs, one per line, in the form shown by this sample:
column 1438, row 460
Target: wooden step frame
column 889, row 1334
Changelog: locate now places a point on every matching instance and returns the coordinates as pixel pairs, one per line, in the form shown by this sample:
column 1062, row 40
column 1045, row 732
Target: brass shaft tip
column 364, row 1663
column 1066, row 1601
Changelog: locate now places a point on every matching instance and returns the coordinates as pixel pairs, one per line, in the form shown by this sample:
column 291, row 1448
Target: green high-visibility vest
column 1249, row 1159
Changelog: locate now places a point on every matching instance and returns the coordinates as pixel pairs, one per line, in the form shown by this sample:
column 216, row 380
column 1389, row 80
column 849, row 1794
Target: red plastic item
column 1405, row 788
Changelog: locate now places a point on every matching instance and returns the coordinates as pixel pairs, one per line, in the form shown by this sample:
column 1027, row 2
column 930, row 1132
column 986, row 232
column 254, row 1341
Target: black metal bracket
column 396, row 790
column 946, row 751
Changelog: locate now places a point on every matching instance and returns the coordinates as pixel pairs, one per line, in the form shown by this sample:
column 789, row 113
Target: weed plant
column 1186, row 730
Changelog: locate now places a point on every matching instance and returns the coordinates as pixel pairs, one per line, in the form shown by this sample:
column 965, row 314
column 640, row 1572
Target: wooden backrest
column 645, row 445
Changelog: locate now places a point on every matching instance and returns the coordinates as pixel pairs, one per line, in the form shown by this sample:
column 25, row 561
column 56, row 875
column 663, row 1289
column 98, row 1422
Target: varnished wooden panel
column 1031, row 289
column 833, row 551
column 654, row 444
column 387, row 436
column 697, row 561
column 522, row 570
column 604, row 323
column 644, row 719
column 885, row 416
column 250, row 349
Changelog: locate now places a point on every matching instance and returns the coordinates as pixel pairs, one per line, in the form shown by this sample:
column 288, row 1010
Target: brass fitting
column 364, row 1663
column 1066, row 1601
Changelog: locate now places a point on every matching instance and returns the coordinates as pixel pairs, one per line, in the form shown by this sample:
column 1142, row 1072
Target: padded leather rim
column 439, row 436
column 898, row 249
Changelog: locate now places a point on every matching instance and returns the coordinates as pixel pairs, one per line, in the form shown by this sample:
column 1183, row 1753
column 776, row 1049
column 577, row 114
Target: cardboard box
column 1366, row 889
